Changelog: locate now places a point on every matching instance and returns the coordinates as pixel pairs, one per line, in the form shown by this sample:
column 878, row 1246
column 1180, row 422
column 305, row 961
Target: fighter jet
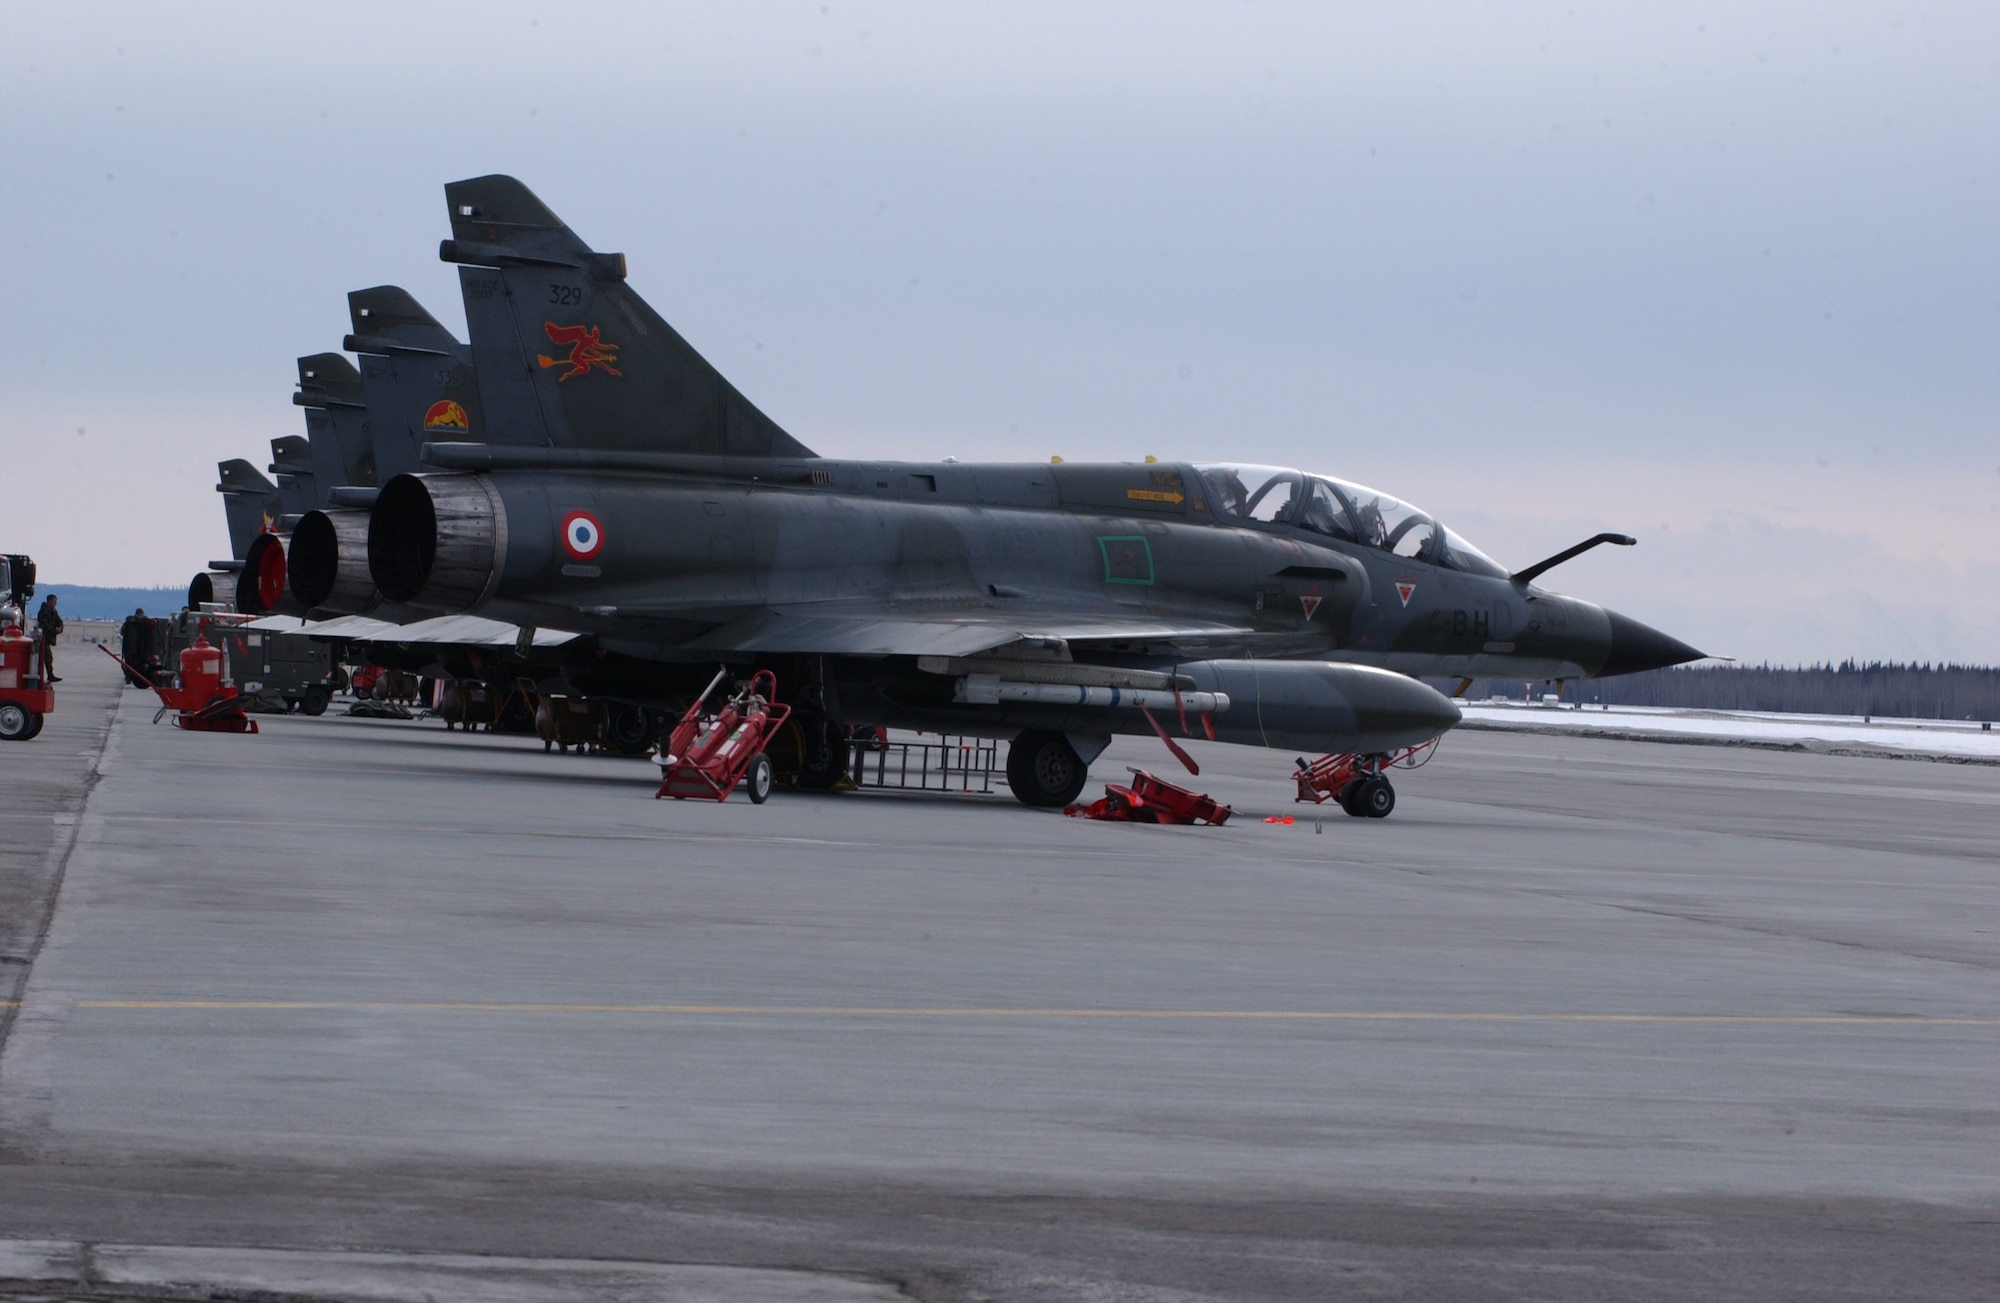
column 414, row 382
column 627, row 492
column 251, row 505
column 337, row 431
column 666, row 516
column 334, row 467
column 417, row 380
column 309, row 468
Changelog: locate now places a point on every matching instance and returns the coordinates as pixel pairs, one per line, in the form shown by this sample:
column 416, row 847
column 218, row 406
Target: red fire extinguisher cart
column 707, row 755
column 202, row 701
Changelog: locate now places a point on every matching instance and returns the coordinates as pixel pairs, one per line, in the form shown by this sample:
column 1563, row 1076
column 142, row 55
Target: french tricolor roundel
column 582, row 536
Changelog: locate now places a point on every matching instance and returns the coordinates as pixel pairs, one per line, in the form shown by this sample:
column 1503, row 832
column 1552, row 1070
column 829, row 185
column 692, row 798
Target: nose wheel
column 1359, row 783
column 1368, row 798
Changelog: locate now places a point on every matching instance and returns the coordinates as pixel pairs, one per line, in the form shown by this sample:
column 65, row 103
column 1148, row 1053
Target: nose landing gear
column 1368, row 798
column 1358, row 783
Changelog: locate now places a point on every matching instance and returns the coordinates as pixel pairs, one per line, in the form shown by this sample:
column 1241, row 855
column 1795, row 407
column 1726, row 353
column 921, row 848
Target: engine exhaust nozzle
column 212, row 588
column 260, row 587
column 437, row 541
column 329, row 561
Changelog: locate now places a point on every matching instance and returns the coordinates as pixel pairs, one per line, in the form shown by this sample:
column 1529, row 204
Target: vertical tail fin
column 249, row 503
column 568, row 355
column 291, row 462
column 336, row 421
column 417, row 380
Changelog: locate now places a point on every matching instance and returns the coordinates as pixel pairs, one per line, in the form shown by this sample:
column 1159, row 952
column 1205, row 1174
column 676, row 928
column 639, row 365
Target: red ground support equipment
column 1151, row 800
column 24, row 696
column 200, row 700
column 707, row 755
column 1357, row 781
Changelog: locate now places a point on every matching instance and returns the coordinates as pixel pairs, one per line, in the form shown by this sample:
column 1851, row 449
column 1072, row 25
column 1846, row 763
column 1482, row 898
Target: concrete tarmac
column 1583, row 1020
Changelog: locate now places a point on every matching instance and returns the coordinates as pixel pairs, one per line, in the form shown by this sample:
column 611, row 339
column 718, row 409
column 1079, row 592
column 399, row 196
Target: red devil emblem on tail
column 586, row 350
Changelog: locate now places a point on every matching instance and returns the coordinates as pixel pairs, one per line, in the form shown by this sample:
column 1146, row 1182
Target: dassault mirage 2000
column 627, row 492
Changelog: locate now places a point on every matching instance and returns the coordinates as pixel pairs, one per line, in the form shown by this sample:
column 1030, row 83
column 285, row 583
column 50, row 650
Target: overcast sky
column 1725, row 277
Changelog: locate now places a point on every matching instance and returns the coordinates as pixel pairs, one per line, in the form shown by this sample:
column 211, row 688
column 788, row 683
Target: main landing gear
column 1044, row 769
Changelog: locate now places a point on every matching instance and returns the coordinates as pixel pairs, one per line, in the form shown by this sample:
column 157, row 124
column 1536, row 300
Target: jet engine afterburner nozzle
column 212, row 587
column 261, row 585
column 437, row 541
column 329, row 561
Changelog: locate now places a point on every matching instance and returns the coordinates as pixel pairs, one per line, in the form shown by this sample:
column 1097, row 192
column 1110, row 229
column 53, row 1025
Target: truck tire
column 314, row 702
column 1044, row 770
column 16, row 724
column 35, row 723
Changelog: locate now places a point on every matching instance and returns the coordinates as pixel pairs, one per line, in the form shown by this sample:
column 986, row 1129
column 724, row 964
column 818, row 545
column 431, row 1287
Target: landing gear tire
column 1374, row 798
column 314, row 702
column 516, row 715
column 1347, row 801
column 16, row 724
column 1044, row 770
column 629, row 731
column 758, row 780
column 823, row 749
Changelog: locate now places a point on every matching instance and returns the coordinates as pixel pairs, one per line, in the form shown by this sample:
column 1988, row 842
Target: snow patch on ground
column 1962, row 740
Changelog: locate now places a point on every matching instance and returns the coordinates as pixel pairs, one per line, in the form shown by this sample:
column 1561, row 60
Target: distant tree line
column 1914, row 691
column 88, row 602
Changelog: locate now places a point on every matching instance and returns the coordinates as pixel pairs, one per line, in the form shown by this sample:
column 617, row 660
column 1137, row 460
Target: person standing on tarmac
column 136, row 640
column 48, row 627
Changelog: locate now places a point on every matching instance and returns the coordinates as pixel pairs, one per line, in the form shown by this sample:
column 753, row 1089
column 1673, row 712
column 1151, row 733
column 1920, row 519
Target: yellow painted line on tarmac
column 921, row 1011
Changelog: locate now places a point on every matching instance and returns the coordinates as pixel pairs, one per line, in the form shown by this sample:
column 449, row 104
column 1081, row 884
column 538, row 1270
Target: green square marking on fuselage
column 1128, row 559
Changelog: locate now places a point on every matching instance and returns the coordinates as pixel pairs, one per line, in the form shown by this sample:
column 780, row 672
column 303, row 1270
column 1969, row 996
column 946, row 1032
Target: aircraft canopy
column 1352, row 513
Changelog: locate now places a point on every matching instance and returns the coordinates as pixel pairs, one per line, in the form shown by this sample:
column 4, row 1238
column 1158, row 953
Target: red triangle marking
column 1311, row 602
column 1404, row 589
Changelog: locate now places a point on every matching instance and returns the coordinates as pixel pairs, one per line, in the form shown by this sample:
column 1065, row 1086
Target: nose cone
column 1636, row 647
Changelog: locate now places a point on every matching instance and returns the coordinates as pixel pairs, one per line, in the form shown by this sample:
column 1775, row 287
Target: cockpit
column 1351, row 513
